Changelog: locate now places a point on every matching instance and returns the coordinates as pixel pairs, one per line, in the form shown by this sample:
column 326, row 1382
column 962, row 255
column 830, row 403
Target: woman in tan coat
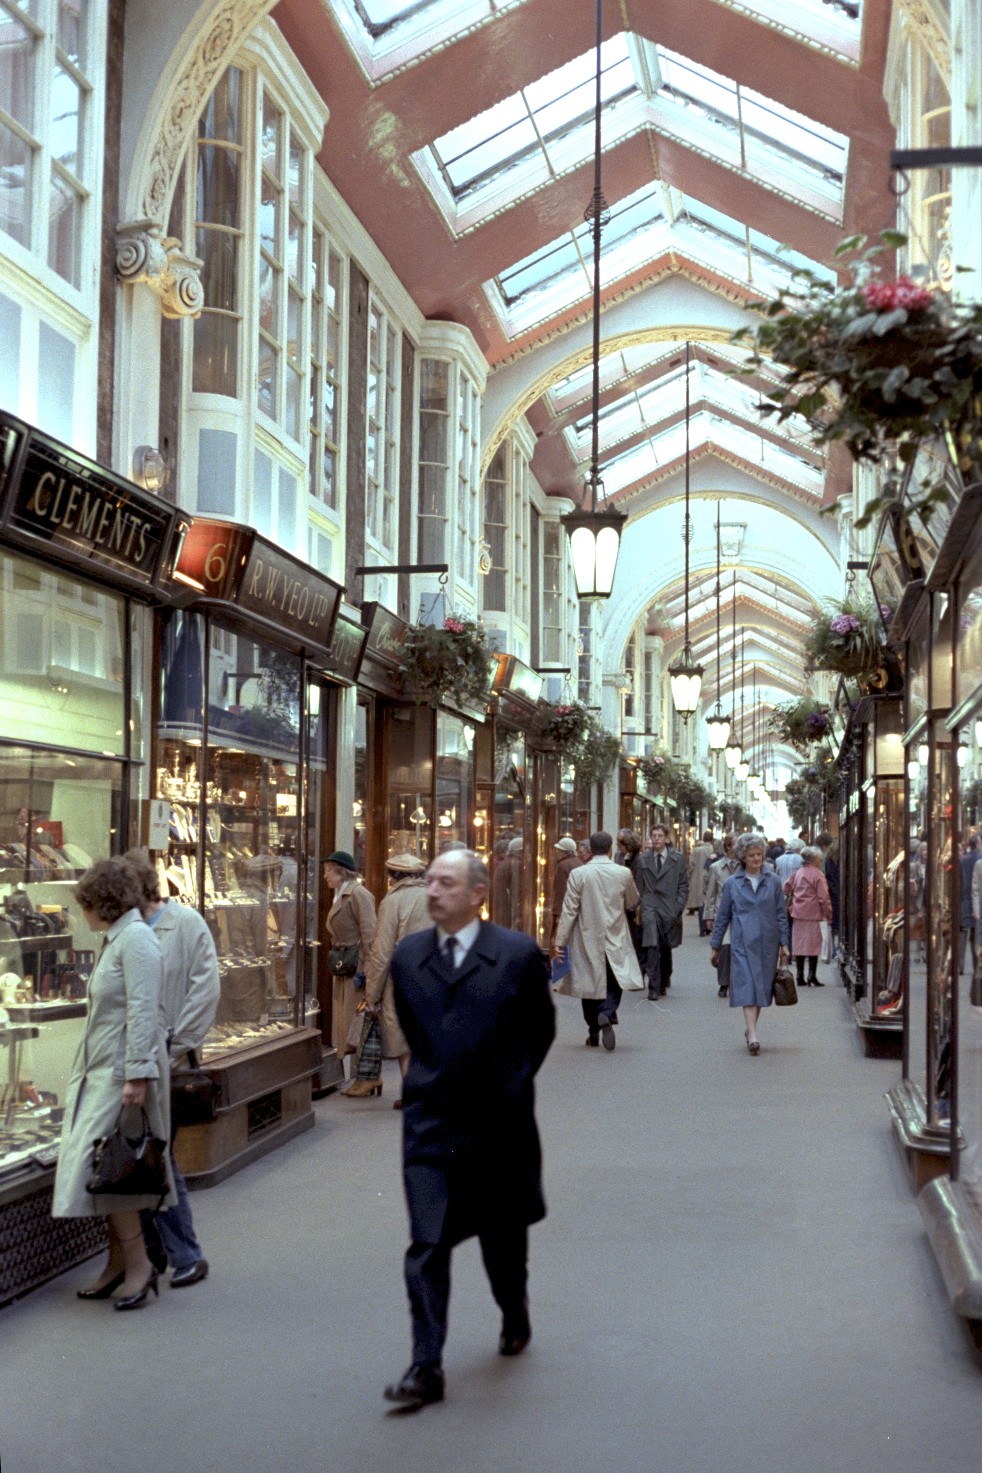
column 350, row 922
column 402, row 912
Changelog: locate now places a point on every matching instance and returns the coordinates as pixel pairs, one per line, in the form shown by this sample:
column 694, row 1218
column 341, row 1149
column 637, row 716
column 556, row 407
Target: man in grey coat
column 664, row 887
column 188, row 1002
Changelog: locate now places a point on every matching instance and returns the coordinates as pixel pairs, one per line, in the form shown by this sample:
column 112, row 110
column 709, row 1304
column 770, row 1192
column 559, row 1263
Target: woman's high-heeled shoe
column 104, row 1290
column 362, row 1088
column 133, row 1301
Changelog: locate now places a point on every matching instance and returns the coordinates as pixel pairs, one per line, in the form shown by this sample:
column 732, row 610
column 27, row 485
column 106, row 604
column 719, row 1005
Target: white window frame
column 382, row 489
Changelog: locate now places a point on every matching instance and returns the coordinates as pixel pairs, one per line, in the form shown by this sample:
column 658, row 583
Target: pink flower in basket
column 886, row 296
column 844, row 624
column 454, row 626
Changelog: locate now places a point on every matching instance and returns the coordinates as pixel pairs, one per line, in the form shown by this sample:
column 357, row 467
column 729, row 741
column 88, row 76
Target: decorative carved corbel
column 145, row 255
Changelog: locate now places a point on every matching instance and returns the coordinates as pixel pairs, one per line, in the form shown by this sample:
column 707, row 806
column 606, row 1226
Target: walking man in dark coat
column 475, row 1006
column 664, row 886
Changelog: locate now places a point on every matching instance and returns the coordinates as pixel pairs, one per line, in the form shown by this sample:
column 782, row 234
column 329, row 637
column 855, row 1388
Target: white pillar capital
column 144, row 255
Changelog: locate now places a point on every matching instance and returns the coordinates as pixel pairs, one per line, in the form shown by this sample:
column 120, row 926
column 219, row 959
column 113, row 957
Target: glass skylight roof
column 535, row 120
column 831, row 25
column 560, row 274
column 664, row 398
column 500, row 156
column 652, row 455
column 388, row 34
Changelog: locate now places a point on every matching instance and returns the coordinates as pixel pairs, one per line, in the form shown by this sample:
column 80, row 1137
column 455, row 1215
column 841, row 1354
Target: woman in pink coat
column 808, row 905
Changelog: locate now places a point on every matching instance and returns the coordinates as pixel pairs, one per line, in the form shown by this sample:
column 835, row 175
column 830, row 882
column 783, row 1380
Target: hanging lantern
column 594, row 543
column 686, row 680
column 718, row 728
column 732, row 753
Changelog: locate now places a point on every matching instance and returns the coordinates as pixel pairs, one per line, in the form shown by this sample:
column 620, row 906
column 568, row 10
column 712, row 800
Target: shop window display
column 410, row 788
column 885, row 944
column 230, row 769
column 454, row 780
column 510, row 881
column 941, row 883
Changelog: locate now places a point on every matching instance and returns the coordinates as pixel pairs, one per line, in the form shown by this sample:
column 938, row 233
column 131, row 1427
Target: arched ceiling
column 741, row 138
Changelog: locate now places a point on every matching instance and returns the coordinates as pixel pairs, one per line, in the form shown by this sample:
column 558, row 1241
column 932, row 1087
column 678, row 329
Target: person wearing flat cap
column 568, row 860
column 402, row 912
column 350, row 922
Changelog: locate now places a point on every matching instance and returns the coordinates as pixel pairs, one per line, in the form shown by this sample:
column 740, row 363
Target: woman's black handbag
column 785, row 991
column 342, row 961
column 193, row 1094
column 129, row 1166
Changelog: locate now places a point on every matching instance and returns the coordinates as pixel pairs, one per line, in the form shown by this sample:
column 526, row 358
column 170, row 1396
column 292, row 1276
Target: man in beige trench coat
column 593, row 923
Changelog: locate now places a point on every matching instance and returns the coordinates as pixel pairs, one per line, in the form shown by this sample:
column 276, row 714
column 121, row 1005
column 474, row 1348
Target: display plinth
column 882, row 1038
column 952, row 1213
column 264, row 1100
column 926, row 1148
column 34, row 1246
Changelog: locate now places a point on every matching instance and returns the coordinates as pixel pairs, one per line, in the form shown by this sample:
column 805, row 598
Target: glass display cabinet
column 880, row 1001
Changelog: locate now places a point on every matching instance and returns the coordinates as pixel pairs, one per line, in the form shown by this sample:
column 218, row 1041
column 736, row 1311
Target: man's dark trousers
column 658, row 966
column 427, row 1268
column 594, row 1006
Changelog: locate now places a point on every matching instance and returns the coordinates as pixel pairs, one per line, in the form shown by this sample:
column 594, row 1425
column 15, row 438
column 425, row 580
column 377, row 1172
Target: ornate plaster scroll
column 928, row 26
column 225, row 28
column 144, row 254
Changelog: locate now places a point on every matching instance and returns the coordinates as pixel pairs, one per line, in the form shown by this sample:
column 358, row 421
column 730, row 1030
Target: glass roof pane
column 560, row 102
column 749, row 117
column 624, row 243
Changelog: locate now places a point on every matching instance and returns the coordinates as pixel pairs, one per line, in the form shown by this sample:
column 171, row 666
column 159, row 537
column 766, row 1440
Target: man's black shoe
column 419, row 1387
column 723, row 992
column 515, row 1335
column 193, row 1274
column 607, row 1033
column 593, row 1040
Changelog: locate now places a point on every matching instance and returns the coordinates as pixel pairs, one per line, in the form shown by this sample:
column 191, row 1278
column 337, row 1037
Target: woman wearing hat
column 350, row 922
column 568, row 860
column 403, row 911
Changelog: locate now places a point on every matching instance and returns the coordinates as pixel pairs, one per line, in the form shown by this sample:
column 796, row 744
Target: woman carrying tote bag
column 351, row 926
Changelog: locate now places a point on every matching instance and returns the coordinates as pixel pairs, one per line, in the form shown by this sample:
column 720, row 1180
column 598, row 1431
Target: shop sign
column 347, row 647
column 387, row 635
column 72, row 505
column 517, row 679
column 235, row 565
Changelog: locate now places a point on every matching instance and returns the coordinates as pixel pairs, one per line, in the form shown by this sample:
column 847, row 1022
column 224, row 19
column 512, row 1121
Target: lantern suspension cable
column 685, row 675
column 718, row 725
column 732, row 752
column 595, row 535
column 743, row 766
column 755, row 779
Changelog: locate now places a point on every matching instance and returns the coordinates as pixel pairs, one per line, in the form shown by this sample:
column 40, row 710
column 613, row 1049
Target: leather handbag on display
column 129, row 1166
column 785, row 991
column 342, row 961
column 193, row 1094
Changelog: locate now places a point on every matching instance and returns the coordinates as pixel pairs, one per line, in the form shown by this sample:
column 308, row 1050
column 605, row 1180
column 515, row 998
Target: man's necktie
column 658, row 864
column 450, row 952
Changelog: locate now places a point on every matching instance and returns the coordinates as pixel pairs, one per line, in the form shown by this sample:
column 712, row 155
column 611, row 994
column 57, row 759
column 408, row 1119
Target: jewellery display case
column 880, row 997
column 240, row 775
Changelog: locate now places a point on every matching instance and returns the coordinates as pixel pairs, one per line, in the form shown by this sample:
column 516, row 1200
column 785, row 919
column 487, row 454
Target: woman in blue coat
column 752, row 905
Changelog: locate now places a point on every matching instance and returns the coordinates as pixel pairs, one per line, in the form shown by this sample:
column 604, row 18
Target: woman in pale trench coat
column 121, row 1061
column 752, row 905
column 593, row 924
column 402, row 912
column 350, row 922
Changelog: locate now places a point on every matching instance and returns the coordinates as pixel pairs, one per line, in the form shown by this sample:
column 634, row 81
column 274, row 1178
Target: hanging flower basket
column 452, row 661
column 801, row 723
column 567, row 725
column 879, row 365
column 595, row 755
column 847, row 639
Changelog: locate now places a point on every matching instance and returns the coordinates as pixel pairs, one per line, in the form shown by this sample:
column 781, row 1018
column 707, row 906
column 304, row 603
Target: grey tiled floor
column 733, row 1276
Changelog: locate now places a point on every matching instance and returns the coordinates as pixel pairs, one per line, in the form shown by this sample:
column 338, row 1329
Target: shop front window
column 510, row 884
column 62, row 659
column 234, row 805
column 454, row 781
column 941, row 919
column 58, row 813
column 410, row 787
